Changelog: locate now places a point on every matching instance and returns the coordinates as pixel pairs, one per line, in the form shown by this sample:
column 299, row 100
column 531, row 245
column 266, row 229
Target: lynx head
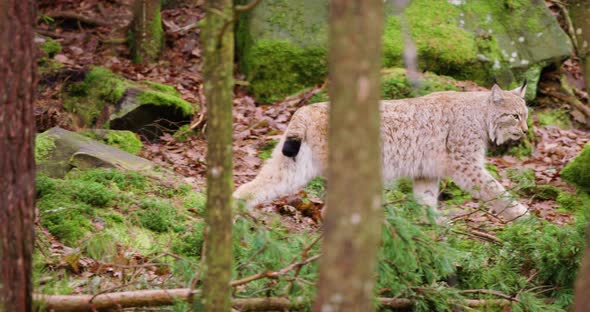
column 507, row 114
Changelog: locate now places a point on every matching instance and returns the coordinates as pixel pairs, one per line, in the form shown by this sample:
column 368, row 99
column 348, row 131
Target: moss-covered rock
column 578, row 170
column 124, row 140
column 395, row 84
column 57, row 151
column 281, row 45
column 106, row 99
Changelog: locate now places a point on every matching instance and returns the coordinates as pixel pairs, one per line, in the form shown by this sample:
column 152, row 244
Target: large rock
column 578, row 170
column 57, row 151
column 281, row 44
column 104, row 99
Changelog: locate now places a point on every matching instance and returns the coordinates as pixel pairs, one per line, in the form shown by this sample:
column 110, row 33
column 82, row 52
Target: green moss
column 44, row 146
column 184, row 133
column 554, row 117
column 578, row 170
column 170, row 90
column 277, row 68
column 442, row 46
column 102, row 88
column 156, row 215
column 266, row 150
column 195, row 201
column 122, row 139
column 396, row 85
column 125, row 140
column 191, row 243
column 124, row 180
column 579, row 201
column 165, row 99
column 50, row 47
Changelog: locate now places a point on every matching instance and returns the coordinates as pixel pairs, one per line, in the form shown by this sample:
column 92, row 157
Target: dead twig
column 273, row 274
column 78, row 17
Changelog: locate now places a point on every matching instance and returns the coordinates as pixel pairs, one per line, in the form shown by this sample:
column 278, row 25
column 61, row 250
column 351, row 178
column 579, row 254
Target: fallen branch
column 154, row 298
column 273, row 274
column 78, row 17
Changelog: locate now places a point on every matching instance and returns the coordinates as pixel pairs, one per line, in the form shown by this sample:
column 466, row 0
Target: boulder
column 578, row 170
column 104, row 99
column 281, row 44
column 57, row 151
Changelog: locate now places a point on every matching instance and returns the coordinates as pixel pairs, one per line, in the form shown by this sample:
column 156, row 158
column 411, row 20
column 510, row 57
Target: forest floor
column 256, row 127
column 98, row 40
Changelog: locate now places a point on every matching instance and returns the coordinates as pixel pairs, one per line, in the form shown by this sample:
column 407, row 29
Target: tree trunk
column 579, row 11
column 218, row 43
column 147, row 33
column 582, row 287
column 353, row 221
column 17, row 165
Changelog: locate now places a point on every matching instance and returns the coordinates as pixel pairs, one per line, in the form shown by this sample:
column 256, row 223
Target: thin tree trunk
column 579, row 11
column 147, row 33
column 218, row 74
column 354, row 213
column 17, row 165
column 582, row 287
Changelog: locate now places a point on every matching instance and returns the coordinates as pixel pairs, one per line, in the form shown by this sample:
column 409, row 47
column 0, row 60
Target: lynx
column 443, row 134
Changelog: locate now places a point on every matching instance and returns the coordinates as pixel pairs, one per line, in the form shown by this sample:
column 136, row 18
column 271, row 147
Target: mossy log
column 57, row 151
column 104, row 99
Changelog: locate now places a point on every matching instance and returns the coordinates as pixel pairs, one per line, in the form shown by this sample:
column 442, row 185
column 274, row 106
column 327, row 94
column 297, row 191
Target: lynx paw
column 514, row 212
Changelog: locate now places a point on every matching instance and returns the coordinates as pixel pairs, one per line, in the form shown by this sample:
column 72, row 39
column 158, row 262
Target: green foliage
column 50, row 47
column 122, row 139
column 123, row 180
column 183, row 133
column 278, row 68
column 266, row 150
column 44, row 145
column 156, row 215
column 396, row 85
column 101, row 87
column 554, row 117
column 578, row 170
column 316, row 187
column 573, row 202
column 190, row 243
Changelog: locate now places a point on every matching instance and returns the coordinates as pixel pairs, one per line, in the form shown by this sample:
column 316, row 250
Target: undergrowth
column 532, row 261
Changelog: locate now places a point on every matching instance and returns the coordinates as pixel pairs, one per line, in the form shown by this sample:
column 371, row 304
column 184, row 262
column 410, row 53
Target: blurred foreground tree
column 579, row 11
column 147, row 33
column 17, row 165
column 582, row 288
column 218, row 43
column 354, row 214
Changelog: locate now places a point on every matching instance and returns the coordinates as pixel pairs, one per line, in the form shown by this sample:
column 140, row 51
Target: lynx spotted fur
column 444, row 134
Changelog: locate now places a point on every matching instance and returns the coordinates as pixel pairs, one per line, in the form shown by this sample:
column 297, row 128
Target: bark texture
column 354, row 213
column 147, row 33
column 17, row 165
column 582, row 287
column 579, row 11
column 218, row 73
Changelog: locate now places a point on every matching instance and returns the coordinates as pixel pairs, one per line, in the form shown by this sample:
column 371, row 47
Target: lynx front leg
column 478, row 181
column 280, row 176
column 426, row 191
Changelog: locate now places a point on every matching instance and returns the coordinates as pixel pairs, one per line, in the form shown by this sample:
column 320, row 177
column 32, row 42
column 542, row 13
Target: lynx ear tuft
column 521, row 91
column 497, row 96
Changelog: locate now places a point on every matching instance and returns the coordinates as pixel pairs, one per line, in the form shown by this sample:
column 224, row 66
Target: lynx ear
column 497, row 96
column 521, row 91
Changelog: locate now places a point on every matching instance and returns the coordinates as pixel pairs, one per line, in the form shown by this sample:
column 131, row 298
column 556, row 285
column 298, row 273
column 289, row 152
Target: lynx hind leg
column 280, row 175
column 426, row 191
column 478, row 181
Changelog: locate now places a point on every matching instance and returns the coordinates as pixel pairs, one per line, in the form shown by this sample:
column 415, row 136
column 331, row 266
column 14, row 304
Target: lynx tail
column 294, row 135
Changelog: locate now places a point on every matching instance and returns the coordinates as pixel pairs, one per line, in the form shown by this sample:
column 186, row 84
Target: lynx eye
column 517, row 117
